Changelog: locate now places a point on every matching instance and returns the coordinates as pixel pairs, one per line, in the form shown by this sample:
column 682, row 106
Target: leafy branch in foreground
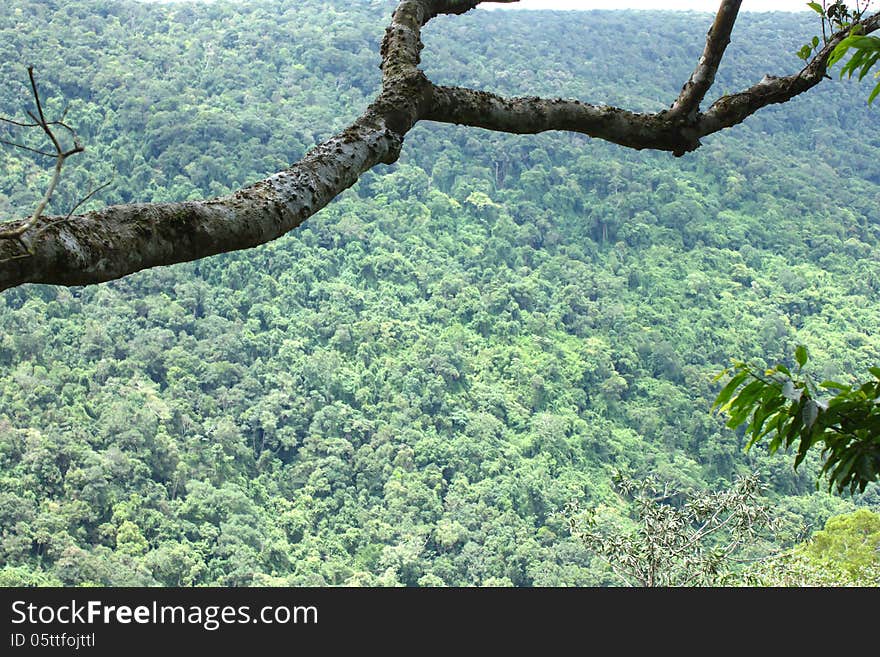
column 694, row 543
column 837, row 16
column 866, row 54
column 793, row 408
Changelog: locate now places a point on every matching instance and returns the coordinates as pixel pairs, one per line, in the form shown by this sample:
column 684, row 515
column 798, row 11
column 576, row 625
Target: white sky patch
column 676, row 5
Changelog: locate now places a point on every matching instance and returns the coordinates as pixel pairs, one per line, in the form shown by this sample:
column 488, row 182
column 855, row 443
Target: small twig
column 56, row 176
column 52, row 224
column 19, row 257
column 19, row 123
column 42, row 119
column 63, row 125
column 38, row 124
column 60, row 156
column 824, row 11
column 85, row 198
column 27, row 148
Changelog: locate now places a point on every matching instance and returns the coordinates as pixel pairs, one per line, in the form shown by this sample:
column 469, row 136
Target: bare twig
column 26, row 148
column 53, row 223
column 19, row 123
column 85, row 198
column 60, row 156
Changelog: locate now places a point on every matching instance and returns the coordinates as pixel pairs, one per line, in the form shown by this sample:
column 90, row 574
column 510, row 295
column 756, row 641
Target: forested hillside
column 410, row 388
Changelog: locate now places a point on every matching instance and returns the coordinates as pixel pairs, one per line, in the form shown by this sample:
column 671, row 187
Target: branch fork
column 115, row 241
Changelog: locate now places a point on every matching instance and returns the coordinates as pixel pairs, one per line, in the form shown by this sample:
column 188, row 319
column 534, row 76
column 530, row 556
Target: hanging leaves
column 865, row 55
column 844, row 420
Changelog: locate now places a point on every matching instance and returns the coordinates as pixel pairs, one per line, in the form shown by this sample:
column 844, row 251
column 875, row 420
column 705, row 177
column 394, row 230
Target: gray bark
column 118, row 240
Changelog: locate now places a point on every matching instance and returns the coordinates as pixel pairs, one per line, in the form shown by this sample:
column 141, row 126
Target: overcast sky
column 696, row 5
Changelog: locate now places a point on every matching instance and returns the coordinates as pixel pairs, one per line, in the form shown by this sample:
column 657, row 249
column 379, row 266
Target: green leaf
column 773, row 422
column 728, row 390
column 775, row 443
column 865, row 469
column 809, row 414
column 815, row 6
column 815, row 41
column 803, row 448
column 720, row 375
column 797, row 421
column 838, row 53
column 767, row 410
column 841, row 472
column 864, row 43
column 801, row 355
column 868, row 64
column 746, row 398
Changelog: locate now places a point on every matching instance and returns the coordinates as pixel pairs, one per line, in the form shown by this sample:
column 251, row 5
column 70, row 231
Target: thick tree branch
column 694, row 90
column 533, row 115
column 729, row 110
column 436, row 7
column 119, row 240
column 678, row 130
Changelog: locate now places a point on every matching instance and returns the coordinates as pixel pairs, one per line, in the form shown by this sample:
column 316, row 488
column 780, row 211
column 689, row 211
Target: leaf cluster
column 844, row 420
column 866, row 53
column 835, row 17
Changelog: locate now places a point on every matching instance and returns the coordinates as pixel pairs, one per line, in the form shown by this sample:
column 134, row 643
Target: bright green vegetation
column 845, row 553
column 412, row 387
column 864, row 57
column 863, row 51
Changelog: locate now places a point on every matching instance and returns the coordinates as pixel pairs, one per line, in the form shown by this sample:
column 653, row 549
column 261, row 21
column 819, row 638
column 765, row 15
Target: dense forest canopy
column 410, row 388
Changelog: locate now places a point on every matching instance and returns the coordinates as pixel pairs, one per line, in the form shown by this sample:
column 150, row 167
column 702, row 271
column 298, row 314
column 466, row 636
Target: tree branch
column 118, row 240
column 532, row 115
column 688, row 102
column 27, row 148
column 436, row 7
column 60, row 156
column 732, row 109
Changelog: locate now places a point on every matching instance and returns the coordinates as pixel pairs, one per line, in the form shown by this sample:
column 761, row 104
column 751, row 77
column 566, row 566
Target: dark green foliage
column 411, row 387
column 842, row 420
